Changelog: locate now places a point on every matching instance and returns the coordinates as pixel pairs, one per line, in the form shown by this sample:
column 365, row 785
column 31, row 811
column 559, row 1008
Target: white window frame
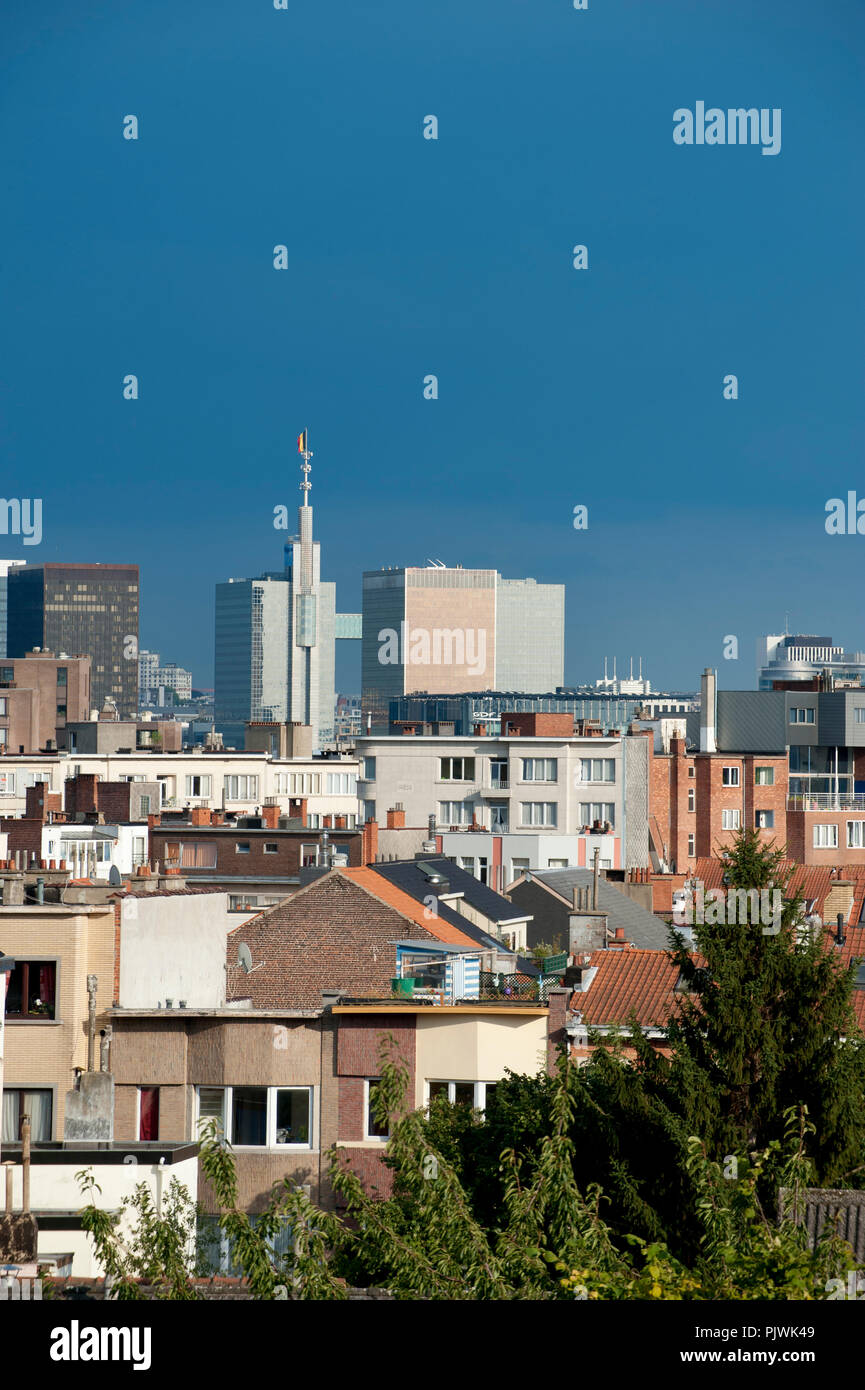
column 607, row 771
column 462, row 760
column 731, row 818
column 541, row 770
column 829, row 842
column 692, row 845
column 806, row 712
column 692, row 799
column 248, row 780
column 759, row 781
column 270, row 1145
column 205, row 781
column 856, row 834
column 731, row 776
column 480, row 1089
column 528, row 817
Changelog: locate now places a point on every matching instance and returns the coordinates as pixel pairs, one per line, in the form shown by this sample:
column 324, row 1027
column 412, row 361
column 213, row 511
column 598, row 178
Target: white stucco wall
column 173, row 947
column 477, row 1048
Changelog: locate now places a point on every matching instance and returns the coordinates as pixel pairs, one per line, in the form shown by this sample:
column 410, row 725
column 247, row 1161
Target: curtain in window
column 38, row 1105
column 10, row 1117
column 47, row 983
column 149, row 1123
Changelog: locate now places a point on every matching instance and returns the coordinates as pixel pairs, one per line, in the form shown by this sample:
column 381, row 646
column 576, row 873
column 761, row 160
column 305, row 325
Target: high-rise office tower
column 447, row 631
column 88, row 610
column 275, row 639
column 5, row 567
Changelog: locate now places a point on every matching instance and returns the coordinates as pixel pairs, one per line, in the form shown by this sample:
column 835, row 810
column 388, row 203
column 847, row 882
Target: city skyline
column 409, row 257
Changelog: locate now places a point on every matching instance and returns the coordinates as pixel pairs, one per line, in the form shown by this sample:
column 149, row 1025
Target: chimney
column 270, row 816
column 199, row 815
column 370, row 842
column 396, row 817
column 708, row 710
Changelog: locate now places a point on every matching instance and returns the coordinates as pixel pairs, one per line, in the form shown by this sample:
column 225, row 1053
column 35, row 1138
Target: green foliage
column 769, row 1025
column 305, row 1270
column 156, row 1248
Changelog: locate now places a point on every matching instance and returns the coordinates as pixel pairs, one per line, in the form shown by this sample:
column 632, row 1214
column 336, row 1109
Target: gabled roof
column 642, row 928
column 640, row 981
column 411, row 884
column 410, row 875
column 436, row 924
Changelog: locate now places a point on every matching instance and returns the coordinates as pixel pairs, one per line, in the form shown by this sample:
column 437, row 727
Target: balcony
column 493, row 788
column 826, row 801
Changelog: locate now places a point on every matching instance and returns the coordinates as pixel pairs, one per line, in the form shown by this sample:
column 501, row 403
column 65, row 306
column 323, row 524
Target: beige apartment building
column 55, row 948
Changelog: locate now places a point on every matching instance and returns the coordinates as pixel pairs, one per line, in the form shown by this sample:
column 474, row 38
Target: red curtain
column 47, row 981
column 149, row 1125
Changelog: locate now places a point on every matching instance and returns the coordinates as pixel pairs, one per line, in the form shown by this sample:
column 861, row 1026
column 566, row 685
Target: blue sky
column 409, row 256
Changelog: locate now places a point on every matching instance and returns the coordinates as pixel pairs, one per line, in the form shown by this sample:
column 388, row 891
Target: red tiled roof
column 630, row 980
column 379, row 887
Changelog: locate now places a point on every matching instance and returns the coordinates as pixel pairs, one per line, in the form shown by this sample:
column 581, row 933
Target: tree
column 769, row 1025
column 158, row 1247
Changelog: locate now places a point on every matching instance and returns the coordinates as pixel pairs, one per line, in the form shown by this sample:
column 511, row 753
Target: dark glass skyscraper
column 87, row 610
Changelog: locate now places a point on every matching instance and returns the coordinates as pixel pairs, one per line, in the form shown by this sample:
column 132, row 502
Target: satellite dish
column 244, row 957
column 115, row 878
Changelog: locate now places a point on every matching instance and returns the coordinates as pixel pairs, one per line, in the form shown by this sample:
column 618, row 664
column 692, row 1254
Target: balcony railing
column 826, row 801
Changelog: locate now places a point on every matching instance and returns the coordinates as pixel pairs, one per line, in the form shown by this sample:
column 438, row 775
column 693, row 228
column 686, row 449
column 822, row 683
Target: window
column 798, row 715
column 467, row 862
column 32, row 779
column 195, row 854
column 62, row 675
column 729, row 777
column 540, row 769
column 373, row 1129
column 454, row 813
column 271, row 847
column 731, row 820
column 367, row 811
column 7, row 779
column 249, row 1115
column 341, row 783
column 308, row 855
column 692, row 798
column 691, row 846
column 32, row 989
column 148, row 1113
column 456, row 769
column 764, row 776
column 7, row 674
column 3, row 703
column 17, row 1103
column 241, row 788
column 860, row 714
column 199, row 786
column 764, row 820
column 61, row 711
column 557, row 863
column 4, row 737
column 691, row 771
column 144, row 806
column 825, row 837
column 598, row 769
column 241, row 847
column 292, row 1116
column 590, row 811
column 474, row 1094
column 856, row 834
column 368, row 765
column 519, row 866
column 538, row 813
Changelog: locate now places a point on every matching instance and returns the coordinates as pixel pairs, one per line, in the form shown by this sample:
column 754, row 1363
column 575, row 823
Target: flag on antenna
column 301, row 443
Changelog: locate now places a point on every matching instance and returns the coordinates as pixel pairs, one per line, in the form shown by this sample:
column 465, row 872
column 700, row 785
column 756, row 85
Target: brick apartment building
column 40, row 693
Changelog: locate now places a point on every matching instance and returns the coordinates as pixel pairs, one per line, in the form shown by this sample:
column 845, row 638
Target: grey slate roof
column 642, row 928
column 406, row 875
